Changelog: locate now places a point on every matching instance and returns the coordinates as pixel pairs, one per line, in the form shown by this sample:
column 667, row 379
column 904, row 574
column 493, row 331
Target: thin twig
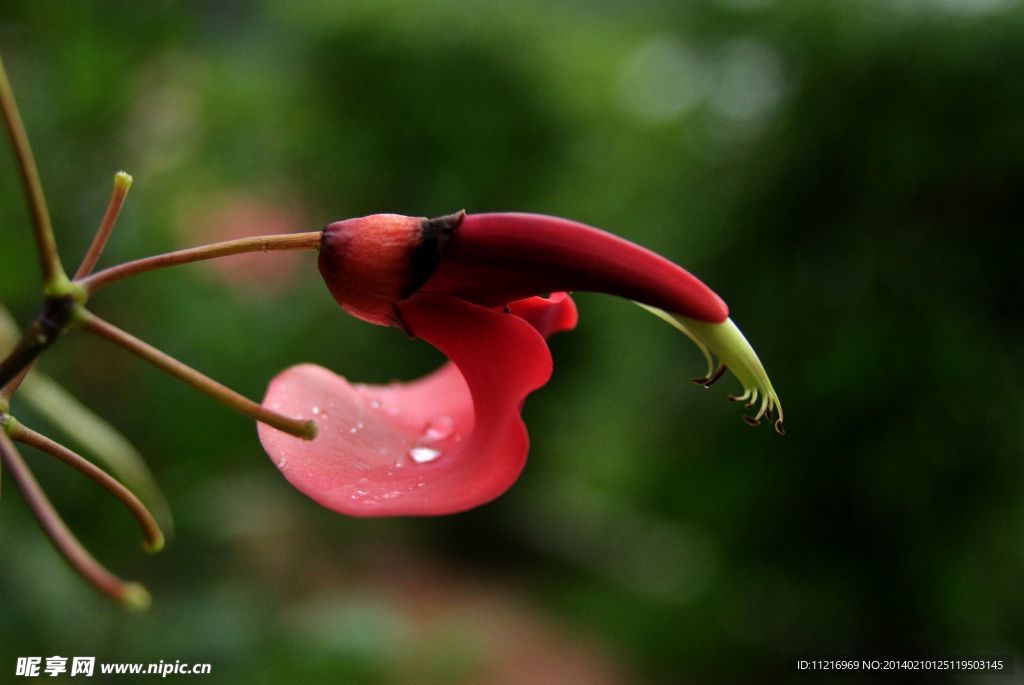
column 130, row 594
column 7, row 390
column 54, row 277
column 150, row 529
column 122, row 184
column 205, row 384
column 49, row 325
column 267, row 243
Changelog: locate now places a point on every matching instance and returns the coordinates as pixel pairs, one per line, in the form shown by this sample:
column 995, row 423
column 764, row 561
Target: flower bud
column 373, row 262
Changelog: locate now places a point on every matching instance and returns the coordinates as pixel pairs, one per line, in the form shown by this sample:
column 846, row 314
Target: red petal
column 445, row 443
column 496, row 258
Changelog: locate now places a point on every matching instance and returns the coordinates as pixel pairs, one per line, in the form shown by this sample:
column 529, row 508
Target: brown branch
column 130, row 594
column 122, row 184
column 205, row 384
column 150, row 529
column 267, row 243
column 54, row 278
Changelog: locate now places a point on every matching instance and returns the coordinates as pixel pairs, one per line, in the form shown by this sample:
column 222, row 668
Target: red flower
column 469, row 285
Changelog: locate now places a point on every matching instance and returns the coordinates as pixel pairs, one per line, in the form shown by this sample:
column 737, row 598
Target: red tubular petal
column 495, row 258
column 464, row 418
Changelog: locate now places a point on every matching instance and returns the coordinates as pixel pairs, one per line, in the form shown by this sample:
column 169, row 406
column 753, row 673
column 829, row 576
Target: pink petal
column 444, row 443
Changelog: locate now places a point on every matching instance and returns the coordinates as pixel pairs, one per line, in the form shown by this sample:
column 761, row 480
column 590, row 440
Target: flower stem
column 150, row 529
column 221, row 393
column 55, row 281
column 122, row 184
column 288, row 241
column 49, row 325
column 12, row 385
column 131, row 594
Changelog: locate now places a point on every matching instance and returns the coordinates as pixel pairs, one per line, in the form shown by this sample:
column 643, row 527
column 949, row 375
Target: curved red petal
column 445, row 443
column 549, row 315
column 496, row 258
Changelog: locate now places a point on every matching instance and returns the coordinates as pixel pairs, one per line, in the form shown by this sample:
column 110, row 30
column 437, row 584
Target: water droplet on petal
column 315, row 410
column 364, row 487
column 391, row 495
column 282, row 463
column 423, row 455
column 375, row 404
column 439, row 428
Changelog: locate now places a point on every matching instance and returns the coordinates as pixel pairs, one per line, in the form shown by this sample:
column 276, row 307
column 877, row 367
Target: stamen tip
column 155, row 544
column 779, row 428
column 135, row 597
column 309, row 430
column 719, row 372
column 752, row 421
column 123, row 180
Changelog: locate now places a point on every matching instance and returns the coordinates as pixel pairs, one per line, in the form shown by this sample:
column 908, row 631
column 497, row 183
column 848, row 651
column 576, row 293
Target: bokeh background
column 848, row 175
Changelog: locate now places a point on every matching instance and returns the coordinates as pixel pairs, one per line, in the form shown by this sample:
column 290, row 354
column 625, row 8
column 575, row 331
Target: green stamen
column 725, row 341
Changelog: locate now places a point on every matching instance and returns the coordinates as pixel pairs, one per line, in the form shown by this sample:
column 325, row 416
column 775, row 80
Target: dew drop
column 423, row 455
column 315, row 410
column 375, row 404
column 391, row 495
column 282, row 463
column 364, row 487
column 439, row 428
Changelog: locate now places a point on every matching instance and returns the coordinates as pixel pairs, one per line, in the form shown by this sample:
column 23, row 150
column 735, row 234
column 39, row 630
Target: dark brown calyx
column 434, row 234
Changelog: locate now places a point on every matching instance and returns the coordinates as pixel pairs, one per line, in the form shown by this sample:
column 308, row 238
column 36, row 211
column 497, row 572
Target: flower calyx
column 372, row 262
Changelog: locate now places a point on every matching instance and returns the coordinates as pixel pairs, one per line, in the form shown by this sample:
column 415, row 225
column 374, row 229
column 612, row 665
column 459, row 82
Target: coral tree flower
column 470, row 285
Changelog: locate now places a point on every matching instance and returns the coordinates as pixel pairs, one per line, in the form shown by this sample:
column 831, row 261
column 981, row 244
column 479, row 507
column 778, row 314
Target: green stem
column 55, row 281
column 205, row 384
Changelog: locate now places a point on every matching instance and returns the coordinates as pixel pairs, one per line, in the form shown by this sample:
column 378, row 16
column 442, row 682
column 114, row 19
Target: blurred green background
column 847, row 175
